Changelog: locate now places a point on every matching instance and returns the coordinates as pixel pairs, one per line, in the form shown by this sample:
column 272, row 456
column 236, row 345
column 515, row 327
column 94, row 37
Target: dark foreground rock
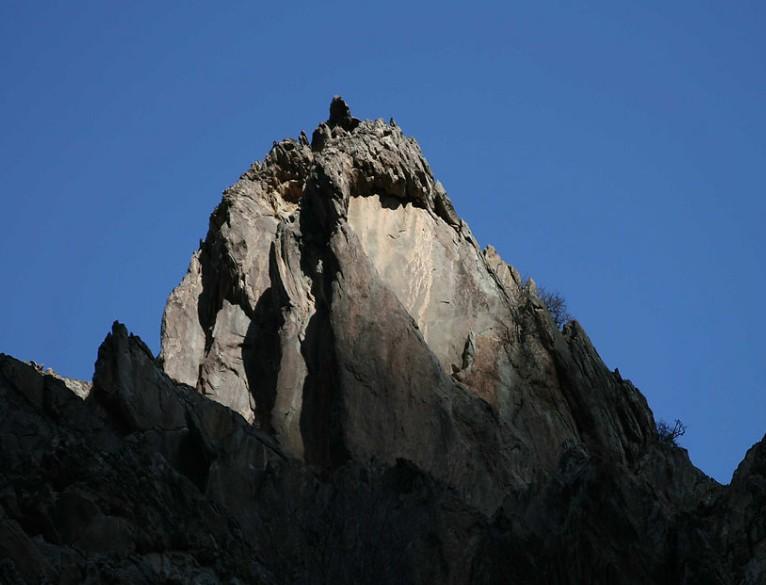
column 351, row 391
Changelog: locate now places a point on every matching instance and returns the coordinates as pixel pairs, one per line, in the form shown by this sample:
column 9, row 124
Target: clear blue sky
column 615, row 152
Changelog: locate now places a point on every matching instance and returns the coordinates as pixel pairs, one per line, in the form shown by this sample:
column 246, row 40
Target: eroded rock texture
column 351, row 391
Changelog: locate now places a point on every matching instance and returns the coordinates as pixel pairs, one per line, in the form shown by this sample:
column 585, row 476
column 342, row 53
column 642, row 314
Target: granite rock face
column 350, row 390
column 340, row 304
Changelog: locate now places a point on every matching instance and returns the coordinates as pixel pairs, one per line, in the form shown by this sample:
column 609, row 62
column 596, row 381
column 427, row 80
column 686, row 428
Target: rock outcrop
column 339, row 303
column 350, row 390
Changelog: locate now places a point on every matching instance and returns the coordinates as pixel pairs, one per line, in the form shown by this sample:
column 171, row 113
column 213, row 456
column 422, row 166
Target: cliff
column 350, row 390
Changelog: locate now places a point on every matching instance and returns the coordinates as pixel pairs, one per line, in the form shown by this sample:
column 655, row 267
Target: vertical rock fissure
column 321, row 412
column 262, row 355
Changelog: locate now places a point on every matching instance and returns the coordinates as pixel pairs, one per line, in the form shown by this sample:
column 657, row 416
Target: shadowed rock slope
column 350, row 390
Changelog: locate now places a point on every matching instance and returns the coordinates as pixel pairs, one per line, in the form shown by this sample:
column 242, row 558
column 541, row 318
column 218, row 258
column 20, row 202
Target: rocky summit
column 351, row 390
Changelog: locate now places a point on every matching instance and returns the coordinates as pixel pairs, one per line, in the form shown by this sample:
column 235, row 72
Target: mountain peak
column 317, row 252
column 339, row 349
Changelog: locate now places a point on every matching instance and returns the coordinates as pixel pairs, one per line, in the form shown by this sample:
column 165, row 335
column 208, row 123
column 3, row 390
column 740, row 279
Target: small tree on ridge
column 668, row 434
column 556, row 306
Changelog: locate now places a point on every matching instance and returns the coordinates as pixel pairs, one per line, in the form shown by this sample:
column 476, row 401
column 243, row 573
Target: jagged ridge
column 409, row 412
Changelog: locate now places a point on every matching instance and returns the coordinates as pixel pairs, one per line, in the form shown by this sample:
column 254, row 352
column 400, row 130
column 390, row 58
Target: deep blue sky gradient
column 614, row 152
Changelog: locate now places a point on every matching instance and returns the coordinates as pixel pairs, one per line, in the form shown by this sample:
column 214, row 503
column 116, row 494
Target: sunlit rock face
column 341, row 304
column 351, row 390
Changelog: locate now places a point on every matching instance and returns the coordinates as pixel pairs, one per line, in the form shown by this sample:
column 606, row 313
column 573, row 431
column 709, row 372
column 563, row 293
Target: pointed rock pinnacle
column 340, row 115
